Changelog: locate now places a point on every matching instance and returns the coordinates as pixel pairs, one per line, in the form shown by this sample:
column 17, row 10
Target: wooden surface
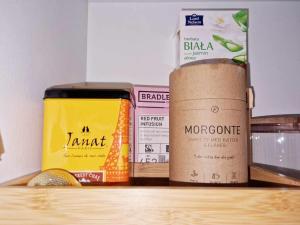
column 20, row 180
column 276, row 119
column 160, row 205
column 260, row 173
column 151, row 170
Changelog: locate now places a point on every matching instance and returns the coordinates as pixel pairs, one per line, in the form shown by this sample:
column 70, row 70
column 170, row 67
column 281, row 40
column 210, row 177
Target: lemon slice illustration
column 54, row 177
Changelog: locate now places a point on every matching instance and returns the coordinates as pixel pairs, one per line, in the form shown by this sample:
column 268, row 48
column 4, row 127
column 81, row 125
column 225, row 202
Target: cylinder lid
column 209, row 79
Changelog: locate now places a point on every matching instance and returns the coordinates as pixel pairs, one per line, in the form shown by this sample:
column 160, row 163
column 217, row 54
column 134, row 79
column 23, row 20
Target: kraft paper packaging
column 208, row 123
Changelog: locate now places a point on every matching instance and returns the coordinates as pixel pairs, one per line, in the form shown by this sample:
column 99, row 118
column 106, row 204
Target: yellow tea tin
column 86, row 131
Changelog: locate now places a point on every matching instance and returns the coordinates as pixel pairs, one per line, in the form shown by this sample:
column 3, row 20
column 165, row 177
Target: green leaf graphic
column 241, row 59
column 241, row 18
column 230, row 45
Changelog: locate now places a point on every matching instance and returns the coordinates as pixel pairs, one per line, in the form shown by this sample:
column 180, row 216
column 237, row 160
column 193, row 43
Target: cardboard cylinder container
column 209, row 123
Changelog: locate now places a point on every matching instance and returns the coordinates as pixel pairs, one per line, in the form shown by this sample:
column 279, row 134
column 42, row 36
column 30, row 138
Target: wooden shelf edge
column 23, row 180
column 151, row 170
column 260, row 173
column 149, row 205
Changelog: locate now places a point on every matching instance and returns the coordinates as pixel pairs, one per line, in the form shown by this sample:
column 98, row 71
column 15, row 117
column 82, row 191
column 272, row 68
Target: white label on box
column 153, row 139
column 208, row 34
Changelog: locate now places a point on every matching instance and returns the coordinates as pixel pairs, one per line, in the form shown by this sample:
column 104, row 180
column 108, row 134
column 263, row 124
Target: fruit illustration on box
column 242, row 58
column 228, row 44
column 241, row 18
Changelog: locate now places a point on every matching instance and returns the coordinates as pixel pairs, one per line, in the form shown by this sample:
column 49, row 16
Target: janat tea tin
column 86, row 132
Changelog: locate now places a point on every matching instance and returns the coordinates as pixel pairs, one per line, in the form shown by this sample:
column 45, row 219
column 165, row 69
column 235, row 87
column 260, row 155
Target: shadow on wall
column 1, row 146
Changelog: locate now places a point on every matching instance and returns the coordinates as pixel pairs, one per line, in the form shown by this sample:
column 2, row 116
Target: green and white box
column 208, row 33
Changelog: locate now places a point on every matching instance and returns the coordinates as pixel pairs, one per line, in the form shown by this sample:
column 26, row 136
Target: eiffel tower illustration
column 116, row 165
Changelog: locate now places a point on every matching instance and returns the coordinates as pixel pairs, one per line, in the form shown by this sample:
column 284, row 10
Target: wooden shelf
column 149, row 205
column 154, row 205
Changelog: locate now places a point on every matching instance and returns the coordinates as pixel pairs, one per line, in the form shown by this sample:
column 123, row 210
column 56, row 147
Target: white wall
column 42, row 43
column 133, row 42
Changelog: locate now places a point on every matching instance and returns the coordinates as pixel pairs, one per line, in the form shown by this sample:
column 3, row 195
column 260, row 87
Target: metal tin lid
column 276, row 123
column 90, row 90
